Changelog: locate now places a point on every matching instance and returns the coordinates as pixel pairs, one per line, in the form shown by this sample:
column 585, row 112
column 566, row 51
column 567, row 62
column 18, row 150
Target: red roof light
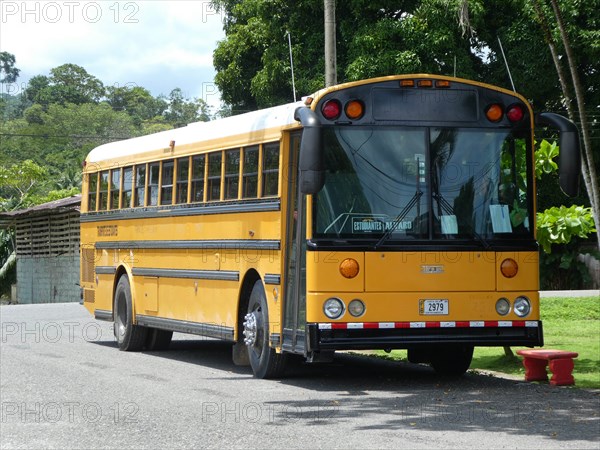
column 515, row 113
column 332, row 109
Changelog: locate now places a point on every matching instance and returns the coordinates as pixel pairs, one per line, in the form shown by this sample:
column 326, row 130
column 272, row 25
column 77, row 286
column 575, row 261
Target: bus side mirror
column 569, row 158
column 312, row 166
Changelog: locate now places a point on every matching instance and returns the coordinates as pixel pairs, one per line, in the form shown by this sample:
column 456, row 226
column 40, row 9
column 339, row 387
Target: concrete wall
column 51, row 279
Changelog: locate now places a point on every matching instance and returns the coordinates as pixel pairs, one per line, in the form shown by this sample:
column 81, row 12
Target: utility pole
column 330, row 44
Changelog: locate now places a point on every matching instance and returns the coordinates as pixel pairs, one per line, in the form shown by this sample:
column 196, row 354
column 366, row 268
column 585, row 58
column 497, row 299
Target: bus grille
column 89, row 296
column 88, row 265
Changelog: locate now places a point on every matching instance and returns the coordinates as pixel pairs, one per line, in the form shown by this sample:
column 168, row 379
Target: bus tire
column 158, row 339
column 452, row 360
column 264, row 360
column 130, row 337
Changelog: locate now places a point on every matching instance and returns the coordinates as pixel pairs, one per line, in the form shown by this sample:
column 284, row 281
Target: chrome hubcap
column 250, row 329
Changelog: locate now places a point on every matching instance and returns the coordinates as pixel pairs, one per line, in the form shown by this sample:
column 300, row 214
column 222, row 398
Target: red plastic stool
column 560, row 363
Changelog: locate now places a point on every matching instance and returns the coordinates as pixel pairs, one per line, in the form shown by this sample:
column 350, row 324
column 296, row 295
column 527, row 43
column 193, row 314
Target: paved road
column 65, row 384
column 583, row 293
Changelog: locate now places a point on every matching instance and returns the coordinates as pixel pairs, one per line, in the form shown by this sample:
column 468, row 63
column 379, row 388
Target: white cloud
column 158, row 45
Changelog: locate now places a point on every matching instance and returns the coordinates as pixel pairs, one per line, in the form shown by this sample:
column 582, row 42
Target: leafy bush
column 561, row 232
column 558, row 225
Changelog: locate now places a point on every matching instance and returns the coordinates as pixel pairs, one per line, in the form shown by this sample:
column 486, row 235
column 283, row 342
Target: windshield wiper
column 399, row 218
column 450, row 210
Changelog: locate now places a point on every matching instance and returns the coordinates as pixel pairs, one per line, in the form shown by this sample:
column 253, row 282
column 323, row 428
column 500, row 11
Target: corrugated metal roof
column 74, row 202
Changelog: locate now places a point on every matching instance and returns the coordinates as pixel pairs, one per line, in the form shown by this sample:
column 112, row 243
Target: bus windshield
column 429, row 183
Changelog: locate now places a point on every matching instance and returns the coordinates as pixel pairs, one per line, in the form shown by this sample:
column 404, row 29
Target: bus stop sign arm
column 569, row 159
column 311, row 164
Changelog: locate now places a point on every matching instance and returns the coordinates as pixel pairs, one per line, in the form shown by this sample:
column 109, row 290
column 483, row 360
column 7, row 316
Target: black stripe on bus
column 271, row 278
column 225, row 275
column 180, row 210
column 184, row 326
column 232, row 244
column 105, row 270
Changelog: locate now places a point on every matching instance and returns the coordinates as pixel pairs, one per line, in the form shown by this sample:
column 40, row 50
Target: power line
column 72, row 136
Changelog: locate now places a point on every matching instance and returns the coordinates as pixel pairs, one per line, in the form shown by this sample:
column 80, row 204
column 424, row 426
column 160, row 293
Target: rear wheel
column 130, row 337
column 452, row 360
column 264, row 360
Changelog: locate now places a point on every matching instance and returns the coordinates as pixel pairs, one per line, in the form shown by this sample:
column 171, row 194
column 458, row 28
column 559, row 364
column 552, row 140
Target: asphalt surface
column 583, row 293
column 64, row 384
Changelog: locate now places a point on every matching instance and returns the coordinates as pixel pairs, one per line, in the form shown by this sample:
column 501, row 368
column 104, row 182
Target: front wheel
column 130, row 337
column 264, row 360
column 452, row 360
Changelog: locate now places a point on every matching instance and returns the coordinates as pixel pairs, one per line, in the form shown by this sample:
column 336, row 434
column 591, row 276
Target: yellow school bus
column 389, row 213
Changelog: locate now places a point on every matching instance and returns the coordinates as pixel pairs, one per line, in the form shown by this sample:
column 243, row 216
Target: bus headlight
column 333, row 308
column 356, row 307
column 522, row 306
column 502, row 306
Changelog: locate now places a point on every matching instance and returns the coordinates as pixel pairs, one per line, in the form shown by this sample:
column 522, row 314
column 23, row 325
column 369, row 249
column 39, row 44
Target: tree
column 8, row 72
column 10, row 105
column 563, row 78
column 182, row 111
column 252, row 62
column 373, row 39
column 68, row 83
column 588, row 165
column 135, row 101
column 60, row 137
column 17, row 182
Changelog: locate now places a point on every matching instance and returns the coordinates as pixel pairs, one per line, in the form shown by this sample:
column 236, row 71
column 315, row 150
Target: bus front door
column 294, row 317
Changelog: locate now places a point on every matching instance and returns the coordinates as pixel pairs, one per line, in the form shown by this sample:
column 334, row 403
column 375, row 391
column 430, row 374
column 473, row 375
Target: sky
column 155, row 44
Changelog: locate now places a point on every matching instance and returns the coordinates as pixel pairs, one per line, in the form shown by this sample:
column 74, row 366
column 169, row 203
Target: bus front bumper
column 401, row 335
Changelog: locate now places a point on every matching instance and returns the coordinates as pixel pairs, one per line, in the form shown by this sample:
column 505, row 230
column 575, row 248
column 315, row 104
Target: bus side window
column 250, row 173
column 270, row 170
column 166, row 194
column 127, row 187
column 103, row 198
column 232, row 174
column 183, row 169
column 140, row 185
column 115, row 188
column 214, row 177
column 198, row 178
column 153, row 172
column 92, row 191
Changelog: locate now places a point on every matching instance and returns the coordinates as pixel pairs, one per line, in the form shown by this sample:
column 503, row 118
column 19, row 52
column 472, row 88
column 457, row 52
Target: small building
column 47, row 251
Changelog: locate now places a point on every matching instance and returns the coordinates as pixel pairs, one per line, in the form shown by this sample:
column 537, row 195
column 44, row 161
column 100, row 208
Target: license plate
column 433, row 307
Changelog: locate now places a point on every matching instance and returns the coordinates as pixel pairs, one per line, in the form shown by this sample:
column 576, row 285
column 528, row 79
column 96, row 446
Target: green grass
column 569, row 324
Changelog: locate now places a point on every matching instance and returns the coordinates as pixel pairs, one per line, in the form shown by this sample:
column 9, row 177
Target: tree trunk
column 588, row 168
column 7, row 265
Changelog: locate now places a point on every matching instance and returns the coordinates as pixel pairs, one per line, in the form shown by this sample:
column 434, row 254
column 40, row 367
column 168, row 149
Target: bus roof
column 278, row 116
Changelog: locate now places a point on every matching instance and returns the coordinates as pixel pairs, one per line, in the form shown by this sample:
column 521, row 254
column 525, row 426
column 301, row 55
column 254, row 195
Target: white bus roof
column 278, row 116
